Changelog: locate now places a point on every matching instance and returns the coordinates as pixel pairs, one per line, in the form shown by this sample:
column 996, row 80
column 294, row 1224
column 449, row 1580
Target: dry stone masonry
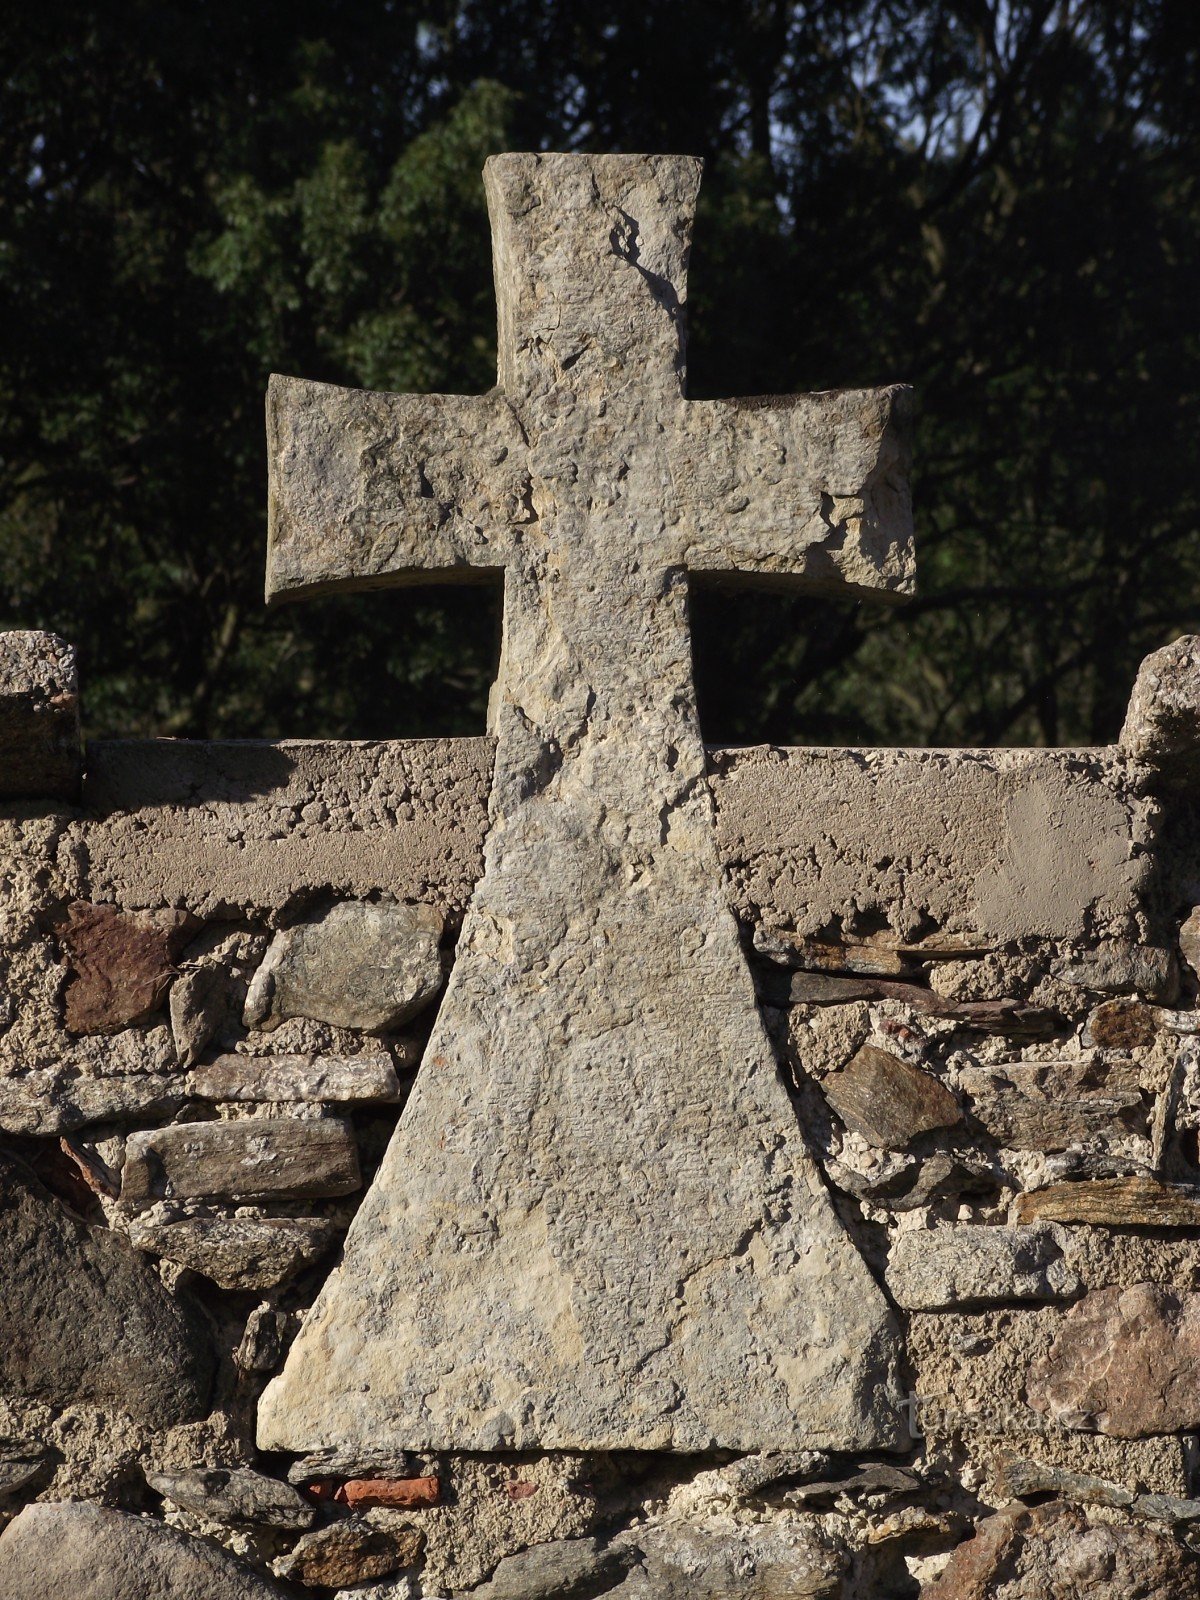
column 574, row 1162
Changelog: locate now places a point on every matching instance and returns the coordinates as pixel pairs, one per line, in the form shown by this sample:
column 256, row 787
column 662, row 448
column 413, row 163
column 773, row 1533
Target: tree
column 995, row 203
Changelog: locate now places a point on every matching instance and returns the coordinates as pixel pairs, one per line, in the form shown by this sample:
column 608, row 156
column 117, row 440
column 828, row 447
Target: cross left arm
column 372, row 489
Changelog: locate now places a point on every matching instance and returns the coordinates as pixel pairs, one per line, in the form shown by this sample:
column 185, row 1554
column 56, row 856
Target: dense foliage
column 995, row 200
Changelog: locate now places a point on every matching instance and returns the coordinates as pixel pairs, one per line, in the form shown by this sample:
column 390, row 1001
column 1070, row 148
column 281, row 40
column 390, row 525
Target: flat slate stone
column 1034, row 1122
column 889, row 1101
column 53, row 1102
column 74, row 1551
column 598, row 1224
column 751, row 1562
column 360, row 965
column 306, row 1078
column 40, row 751
column 85, row 1318
column 258, row 1157
column 1134, row 1202
column 563, row 1569
column 237, row 1252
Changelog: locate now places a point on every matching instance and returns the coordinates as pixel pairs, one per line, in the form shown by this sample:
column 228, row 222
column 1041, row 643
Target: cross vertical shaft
column 598, row 1225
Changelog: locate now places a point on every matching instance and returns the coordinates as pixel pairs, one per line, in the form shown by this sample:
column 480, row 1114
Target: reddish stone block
column 397, row 1494
column 121, row 963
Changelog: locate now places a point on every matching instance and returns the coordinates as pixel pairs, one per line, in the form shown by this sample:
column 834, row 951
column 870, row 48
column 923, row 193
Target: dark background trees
column 995, row 200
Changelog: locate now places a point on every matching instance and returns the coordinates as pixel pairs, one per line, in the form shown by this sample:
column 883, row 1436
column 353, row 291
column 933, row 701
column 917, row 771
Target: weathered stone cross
column 597, row 1225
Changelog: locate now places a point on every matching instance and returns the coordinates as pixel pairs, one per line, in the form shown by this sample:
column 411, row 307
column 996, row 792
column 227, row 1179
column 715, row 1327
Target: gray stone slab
column 73, row 1551
column 943, row 1268
column 40, row 749
column 598, row 1224
column 295, row 1077
column 563, row 1569
column 258, row 1157
column 237, row 1252
column 357, row 965
column 235, row 1494
column 48, row 1102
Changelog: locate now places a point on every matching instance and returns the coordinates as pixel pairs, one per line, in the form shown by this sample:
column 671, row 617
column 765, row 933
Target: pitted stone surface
column 621, row 1240
column 807, row 838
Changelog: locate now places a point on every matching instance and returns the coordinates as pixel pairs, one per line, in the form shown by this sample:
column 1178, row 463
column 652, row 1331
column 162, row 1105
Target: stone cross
column 597, row 1225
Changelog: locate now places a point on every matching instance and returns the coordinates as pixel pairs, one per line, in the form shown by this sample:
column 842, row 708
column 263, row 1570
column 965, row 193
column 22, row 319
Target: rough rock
column 1126, row 1363
column 294, row 1077
column 344, row 1462
column 750, row 1563
column 889, row 1101
column 1135, row 1202
column 1166, row 1508
column 84, row 1318
column 121, row 964
column 1162, row 725
column 198, row 1007
column 521, row 1290
column 349, row 1553
column 261, row 1346
column 21, row 1465
column 565, row 1569
column 1121, row 1025
column 237, row 1252
column 359, row 965
column 1024, row 1480
column 39, row 717
column 1055, row 1552
column 74, row 1551
column 816, row 955
column 937, row 1177
column 394, row 1494
column 874, row 1480
column 261, row 1157
column 235, row 1494
column 750, row 1475
column 974, row 1265
column 1189, row 940
column 1118, row 968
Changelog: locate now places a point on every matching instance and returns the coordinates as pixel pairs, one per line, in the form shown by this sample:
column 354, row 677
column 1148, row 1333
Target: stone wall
column 218, row 967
